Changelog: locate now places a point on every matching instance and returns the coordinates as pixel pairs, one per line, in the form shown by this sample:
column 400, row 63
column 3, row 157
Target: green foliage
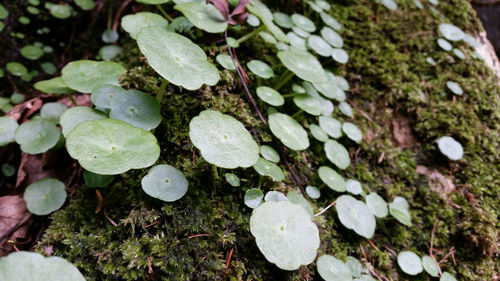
column 44, row 196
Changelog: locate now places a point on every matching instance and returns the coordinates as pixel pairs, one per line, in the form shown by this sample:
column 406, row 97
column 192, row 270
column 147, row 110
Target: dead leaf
column 237, row 16
column 438, row 182
column 53, row 163
column 14, row 221
column 401, row 130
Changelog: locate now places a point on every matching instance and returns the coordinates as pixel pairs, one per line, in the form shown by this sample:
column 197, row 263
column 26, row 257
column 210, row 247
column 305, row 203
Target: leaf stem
column 161, row 91
column 290, row 95
column 284, row 79
column 297, row 113
column 251, row 34
column 110, row 14
column 164, row 13
column 73, row 101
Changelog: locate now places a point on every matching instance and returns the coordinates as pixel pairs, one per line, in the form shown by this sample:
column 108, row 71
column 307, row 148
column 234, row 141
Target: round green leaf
column 451, row 32
column 53, row 86
column 137, row 108
column 176, row 58
column 332, row 179
column 340, row 55
column 318, row 133
column 377, row 205
column 8, row 170
column 389, row 4
column 134, row 23
column 85, row 4
column 285, row 234
column 309, row 104
column 165, row 182
column 345, row 108
column 451, row 148
column 300, row 32
column 204, row 16
column 430, row 266
column 269, row 153
column 313, row 192
column 331, row 88
column 399, row 209
column 454, row 87
column 3, row 12
column 268, row 168
column 445, row 45
column 353, row 186
column 7, row 130
column 270, row 96
column 97, row 180
column 447, row 277
column 262, row 11
column 355, row 266
column 111, row 147
column 282, row 20
column 304, row 65
column 109, row 52
column 410, row 263
column 332, row 37
column 226, row 61
column 33, row 266
column 253, row 20
column 253, row 198
column 260, row 69
column 233, row 42
column 16, row 69
column 275, row 196
column 109, row 36
column 44, row 196
column 352, row 132
column 103, row 94
column 459, row 53
column 223, row 140
column 86, row 75
column 331, row 126
column 232, row 179
column 337, row 154
column 298, row 199
column 470, row 40
column 319, row 45
column 296, row 41
column 31, row 52
column 354, row 214
column 332, row 269
column 303, row 22
column 61, row 11
column 17, row 98
column 331, row 21
column 76, row 115
column 37, row 136
column 288, row 131
column 52, row 111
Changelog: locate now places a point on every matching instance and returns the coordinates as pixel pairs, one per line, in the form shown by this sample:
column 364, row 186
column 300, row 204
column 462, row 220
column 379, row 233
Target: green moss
column 389, row 79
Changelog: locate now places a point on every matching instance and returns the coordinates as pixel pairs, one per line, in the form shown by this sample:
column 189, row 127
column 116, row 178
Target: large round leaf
column 204, row 16
column 86, row 75
column 288, row 131
column 76, row 115
column 337, row 154
column 7, row 130
column 332, row 179
column 410, row 263
column 134, row 23
column 285, row 234
column 165, row 183
column 37, row 136
column 332, row 269
column 176, row 58
column 110, row 147
column 52, row 111
column 137, row 108
column 33, row 266
column 223, row 140
column 304, row 65
column 102, row 95
column 354, row 215
column 44, row 196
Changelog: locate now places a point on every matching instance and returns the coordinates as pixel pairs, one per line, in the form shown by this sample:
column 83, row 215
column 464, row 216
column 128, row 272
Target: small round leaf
column 352, row 132
column 204, row 16
column 451, row 148
column 304, row 65
column 134, row 23
column 269, row 153
column 268, row 168
column 37, row 136
column 399, row 209
column 430, row 266
column 332, row 179
column 337, row 154
column 447, row 277
column 137, row 108
column 304, row 22
column 165, row 182
column 7, row 130
column 260, row 69
column 354, row 214
column 288, row 131
column 332, row 269
column 331, row 126
column 270, row 96
column 44, row 196
column 232, row 179
column 313, row 192
column 451, row 32
column 410, row 263
column 309, row 104
column 253, row 198
column 377, row 205
column 53, row 86
column 76, row 115
column 318, row 133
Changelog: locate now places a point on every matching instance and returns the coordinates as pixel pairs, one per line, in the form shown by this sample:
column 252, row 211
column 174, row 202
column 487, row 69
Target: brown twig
column 198, row 235
column 391, row 251
column 229, row 259
column 11, row 230
column 100, row 203
column 154, row 223
column 327, row 207
column 109, row 219
column 368, row 265
column 431, row 248
column 150, row 265
column 373, row 245
column 119, row 13
column 450, row 253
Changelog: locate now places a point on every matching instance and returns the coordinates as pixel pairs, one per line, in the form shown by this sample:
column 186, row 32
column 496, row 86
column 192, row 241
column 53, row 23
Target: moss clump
column 390, row 80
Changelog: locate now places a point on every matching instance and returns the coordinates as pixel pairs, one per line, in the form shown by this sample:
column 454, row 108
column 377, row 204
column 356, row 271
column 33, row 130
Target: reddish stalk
column 368, row 264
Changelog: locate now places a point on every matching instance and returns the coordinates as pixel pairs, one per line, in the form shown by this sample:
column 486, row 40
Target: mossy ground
column 390, row 81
